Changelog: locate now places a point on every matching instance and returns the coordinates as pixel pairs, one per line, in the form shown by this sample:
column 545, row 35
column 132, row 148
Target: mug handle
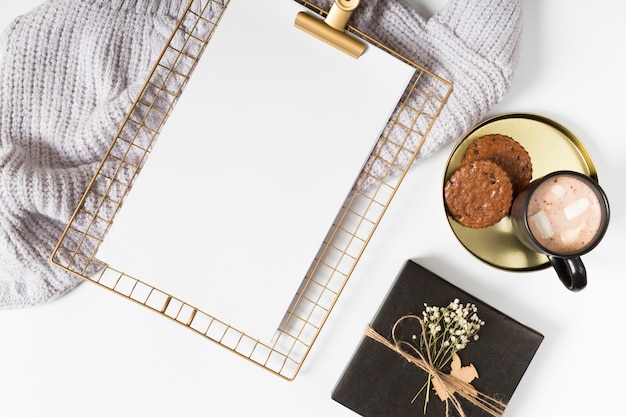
column 571, row 271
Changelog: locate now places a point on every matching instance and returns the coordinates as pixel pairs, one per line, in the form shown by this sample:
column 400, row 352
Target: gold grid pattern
column 340, row 251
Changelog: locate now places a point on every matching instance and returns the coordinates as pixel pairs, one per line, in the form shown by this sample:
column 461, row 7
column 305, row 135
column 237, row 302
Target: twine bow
column 447, row 383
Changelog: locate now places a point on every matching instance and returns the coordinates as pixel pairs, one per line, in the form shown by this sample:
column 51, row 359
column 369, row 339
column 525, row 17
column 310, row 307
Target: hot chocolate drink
column 565, row 215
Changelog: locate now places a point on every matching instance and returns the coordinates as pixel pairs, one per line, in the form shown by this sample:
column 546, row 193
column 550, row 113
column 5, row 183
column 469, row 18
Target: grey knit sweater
column 70, row 70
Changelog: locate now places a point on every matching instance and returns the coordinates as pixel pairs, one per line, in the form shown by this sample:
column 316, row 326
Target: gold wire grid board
column 345, row 240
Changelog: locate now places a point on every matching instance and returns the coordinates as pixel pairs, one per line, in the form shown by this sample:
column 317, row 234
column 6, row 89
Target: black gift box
column 379, row 382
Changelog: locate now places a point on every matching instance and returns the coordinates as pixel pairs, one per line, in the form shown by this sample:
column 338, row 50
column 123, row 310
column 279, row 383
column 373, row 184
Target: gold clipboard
column 345, row 240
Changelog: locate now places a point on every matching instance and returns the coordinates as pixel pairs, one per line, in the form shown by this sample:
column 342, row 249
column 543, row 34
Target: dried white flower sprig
column 447, row 330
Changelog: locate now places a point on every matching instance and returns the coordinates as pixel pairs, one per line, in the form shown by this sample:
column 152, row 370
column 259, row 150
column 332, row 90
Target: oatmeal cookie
column 478, row 194
column 506, row 152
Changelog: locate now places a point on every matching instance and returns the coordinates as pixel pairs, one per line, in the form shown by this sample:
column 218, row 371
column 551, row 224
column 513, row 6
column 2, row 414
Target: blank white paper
column 246, row 179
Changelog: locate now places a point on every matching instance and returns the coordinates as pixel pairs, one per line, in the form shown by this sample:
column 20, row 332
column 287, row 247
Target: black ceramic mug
column 563, row 215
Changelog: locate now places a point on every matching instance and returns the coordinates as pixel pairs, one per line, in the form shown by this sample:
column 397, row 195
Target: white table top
column 94, row 353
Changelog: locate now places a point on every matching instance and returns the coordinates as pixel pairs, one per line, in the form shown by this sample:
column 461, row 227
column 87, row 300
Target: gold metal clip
column 332, row 29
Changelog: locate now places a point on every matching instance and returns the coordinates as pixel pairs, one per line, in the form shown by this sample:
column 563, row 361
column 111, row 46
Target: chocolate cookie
column 506, row 152
column 478, row 194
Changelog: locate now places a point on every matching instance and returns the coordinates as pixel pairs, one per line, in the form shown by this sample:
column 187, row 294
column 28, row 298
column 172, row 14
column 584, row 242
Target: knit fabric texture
column 71, row 69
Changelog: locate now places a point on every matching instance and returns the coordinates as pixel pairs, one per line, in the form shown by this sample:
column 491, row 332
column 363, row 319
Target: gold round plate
column 551, row 147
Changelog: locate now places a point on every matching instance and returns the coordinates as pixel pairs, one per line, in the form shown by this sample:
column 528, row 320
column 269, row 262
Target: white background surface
column 94, row 353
